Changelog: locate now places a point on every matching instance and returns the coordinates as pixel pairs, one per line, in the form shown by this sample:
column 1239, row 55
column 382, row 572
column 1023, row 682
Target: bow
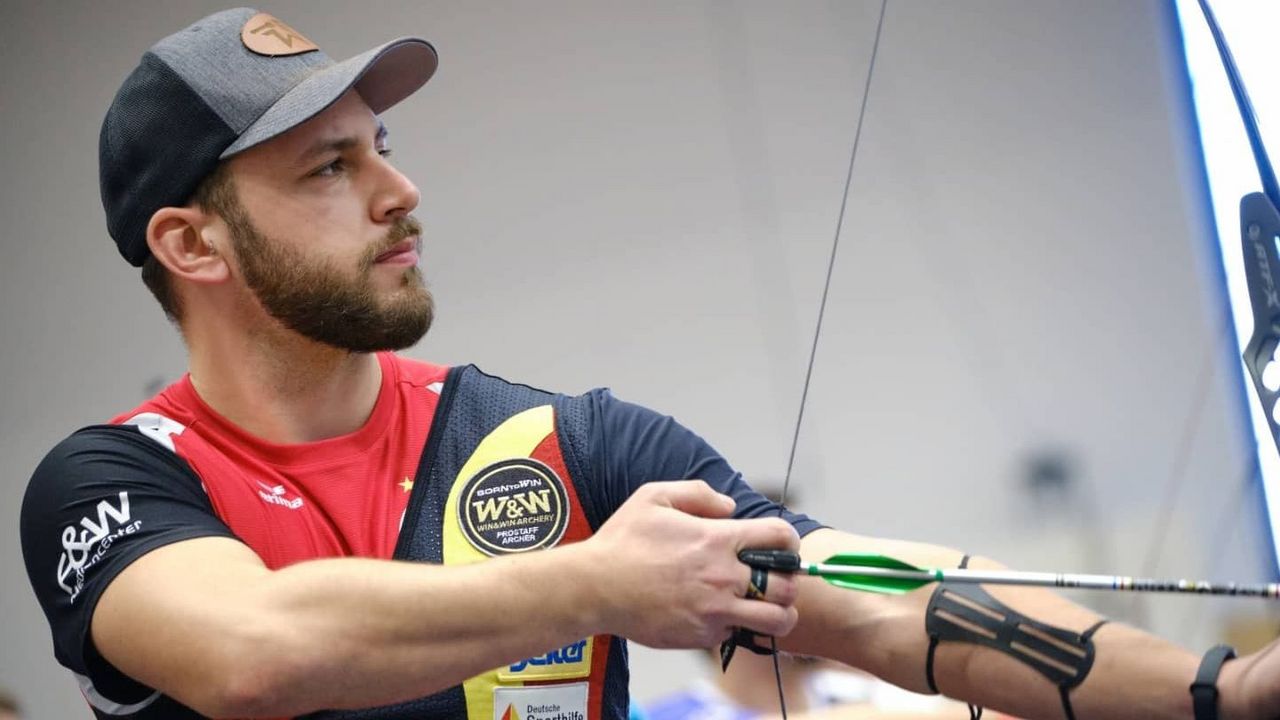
column 1260, row 227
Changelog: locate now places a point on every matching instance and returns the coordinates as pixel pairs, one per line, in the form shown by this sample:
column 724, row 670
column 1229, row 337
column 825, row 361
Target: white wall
column 645, row 195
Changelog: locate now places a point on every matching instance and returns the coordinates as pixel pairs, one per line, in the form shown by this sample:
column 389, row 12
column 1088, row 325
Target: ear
column 181, row 238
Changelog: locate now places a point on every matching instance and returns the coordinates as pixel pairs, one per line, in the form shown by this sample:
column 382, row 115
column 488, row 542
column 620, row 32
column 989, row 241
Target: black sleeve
column 101, row 499
column 631, row 445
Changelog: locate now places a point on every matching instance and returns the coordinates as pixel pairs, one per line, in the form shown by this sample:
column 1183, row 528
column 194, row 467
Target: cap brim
column 383, row 76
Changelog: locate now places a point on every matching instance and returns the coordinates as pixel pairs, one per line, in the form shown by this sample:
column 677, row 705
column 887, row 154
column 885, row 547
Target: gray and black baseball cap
column 230, row 81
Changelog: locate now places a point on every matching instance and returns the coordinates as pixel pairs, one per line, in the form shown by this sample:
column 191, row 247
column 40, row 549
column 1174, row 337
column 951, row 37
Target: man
column 235, row 546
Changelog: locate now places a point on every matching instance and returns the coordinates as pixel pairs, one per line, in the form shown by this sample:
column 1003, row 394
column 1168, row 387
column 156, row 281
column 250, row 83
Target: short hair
column 217, row 194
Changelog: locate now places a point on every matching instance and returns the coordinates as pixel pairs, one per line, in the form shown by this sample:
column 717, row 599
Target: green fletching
column 852, row 580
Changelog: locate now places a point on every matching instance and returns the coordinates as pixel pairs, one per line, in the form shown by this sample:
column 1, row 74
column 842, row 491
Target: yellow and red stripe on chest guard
column 514, row 495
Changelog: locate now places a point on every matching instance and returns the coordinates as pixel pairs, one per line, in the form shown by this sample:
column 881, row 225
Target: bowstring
column 822, row 309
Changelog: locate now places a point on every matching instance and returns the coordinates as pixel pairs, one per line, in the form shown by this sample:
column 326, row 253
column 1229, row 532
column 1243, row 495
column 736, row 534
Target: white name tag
column 542, row 702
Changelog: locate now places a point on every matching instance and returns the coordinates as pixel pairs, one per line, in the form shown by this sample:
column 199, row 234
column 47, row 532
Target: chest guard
column 505, row 471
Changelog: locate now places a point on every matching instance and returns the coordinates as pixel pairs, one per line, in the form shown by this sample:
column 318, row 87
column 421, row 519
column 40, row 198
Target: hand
column 668, row 574
column 1249, row 687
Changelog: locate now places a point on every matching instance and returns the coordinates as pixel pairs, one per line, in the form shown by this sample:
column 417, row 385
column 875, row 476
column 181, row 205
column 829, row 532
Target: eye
column 384, row 152
column 337, row 165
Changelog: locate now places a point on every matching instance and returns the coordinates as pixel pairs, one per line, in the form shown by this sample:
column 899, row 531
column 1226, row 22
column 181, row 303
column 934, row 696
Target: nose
column 396, row 196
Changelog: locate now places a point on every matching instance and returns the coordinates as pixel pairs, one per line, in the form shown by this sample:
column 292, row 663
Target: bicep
column 102, row 500
column 633, row 445
column 172, row 618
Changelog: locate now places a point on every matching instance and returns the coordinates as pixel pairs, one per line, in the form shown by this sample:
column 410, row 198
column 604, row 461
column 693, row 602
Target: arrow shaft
column 1044, row 579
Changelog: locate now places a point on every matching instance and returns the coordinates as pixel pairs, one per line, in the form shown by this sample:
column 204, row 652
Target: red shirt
column 343, row 496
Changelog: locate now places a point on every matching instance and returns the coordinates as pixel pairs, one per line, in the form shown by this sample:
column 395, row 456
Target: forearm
column 339, row 633
column 1134, row 674
column 370, row 632
column 206, row 623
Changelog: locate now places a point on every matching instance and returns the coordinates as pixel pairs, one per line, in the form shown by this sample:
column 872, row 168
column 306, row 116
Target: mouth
column 403, row 253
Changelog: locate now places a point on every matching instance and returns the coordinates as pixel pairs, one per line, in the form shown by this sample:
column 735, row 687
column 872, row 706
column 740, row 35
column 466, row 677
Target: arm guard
column 967, row 613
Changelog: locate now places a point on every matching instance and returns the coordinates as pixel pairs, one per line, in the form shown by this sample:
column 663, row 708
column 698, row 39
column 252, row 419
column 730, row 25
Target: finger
column 763, row 617
column 694, row 497
column 764, row 534
column 757, row 584
column 771, row 587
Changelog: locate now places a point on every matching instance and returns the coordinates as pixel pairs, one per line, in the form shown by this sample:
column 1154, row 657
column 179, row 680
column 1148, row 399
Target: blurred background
column 1026, row 350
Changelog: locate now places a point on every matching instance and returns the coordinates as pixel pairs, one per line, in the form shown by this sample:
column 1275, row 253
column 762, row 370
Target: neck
column 281, row 387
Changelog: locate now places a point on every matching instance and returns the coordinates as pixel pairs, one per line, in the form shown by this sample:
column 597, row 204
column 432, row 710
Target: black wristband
column 1204, row 691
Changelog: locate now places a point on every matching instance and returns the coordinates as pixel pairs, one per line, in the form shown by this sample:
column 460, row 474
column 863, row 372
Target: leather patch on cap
column 267, row 35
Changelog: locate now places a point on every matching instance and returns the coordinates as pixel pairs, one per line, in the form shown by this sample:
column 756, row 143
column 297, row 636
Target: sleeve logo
column 513, row 506
column 84, row 546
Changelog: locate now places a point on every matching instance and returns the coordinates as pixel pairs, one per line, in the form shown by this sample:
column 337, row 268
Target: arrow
column 890, row 576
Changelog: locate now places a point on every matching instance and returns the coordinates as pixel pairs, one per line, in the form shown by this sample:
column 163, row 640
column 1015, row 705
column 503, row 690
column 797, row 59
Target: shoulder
column 143, row 438
column 103, row 462
column 101, row 498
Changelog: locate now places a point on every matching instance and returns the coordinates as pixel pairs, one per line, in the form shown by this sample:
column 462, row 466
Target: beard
column 317, row 299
